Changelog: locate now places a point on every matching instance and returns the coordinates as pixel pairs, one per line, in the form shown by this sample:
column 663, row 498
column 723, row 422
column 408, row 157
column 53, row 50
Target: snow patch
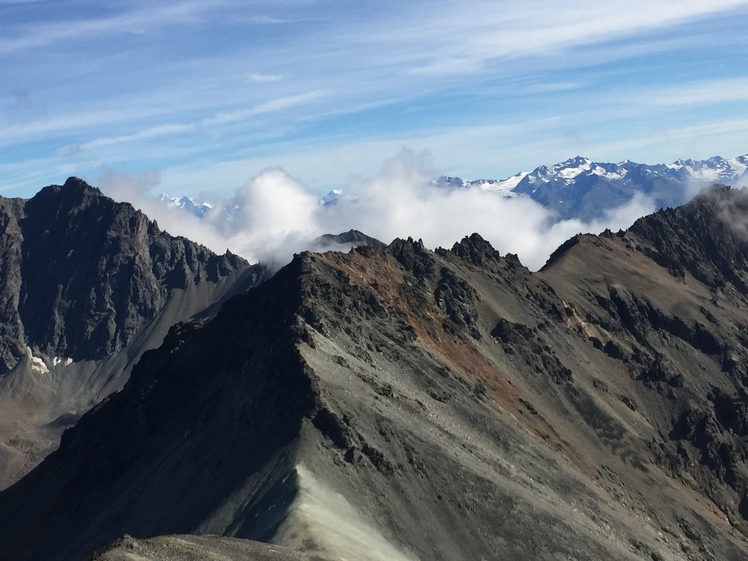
column 58, row 360
column 571, row 173
column 738, row 166
column 192, row 206
column 707, row 175
column 40, row 365
column 600, row 171
column 37, row 363
column 503, row 187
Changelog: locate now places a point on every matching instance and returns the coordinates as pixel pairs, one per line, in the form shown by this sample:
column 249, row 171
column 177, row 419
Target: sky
column 201, row 97
column 273, row 104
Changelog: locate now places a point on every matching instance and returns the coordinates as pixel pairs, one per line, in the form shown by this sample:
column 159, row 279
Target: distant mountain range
column 581, row 188
column 576, row 188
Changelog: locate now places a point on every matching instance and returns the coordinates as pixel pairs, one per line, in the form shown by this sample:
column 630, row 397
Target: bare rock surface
column 399, row 404
column 88, row 285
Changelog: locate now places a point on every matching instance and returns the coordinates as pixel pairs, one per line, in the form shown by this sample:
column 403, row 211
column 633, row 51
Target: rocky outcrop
column 11, row 326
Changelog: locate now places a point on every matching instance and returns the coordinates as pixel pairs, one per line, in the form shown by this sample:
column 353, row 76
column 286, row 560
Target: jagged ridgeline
column 83, row 274
column 87, row 285
column 400, row 403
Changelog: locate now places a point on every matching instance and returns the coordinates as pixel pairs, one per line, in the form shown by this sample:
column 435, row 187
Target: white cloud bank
column 275, row 216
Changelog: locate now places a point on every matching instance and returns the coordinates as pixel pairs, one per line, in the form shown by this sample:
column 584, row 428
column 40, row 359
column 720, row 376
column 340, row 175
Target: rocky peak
column 351, row 238
column 479, row 253
column 86, row 286
column 84, row 273
column 414, row 256
column 475, row 250
column 708, row 238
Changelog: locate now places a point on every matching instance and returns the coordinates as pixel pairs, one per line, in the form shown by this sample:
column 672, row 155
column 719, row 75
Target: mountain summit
column 399, row 403
column 88, row 284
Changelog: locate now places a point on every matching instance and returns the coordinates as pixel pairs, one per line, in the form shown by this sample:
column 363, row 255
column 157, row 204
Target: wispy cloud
column 552, row 87
column 137, row 20
column 720, row 90
column 152, row 132
column 265, row 78
column 174, row 129
column 450, row 38
column 262, row 108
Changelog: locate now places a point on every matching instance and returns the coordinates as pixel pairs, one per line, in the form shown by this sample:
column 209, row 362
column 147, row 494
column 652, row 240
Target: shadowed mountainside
column 403, row 404
column 88, row 285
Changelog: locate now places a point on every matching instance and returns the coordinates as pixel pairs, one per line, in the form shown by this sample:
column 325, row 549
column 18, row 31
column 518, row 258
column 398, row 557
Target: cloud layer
column 274, row 216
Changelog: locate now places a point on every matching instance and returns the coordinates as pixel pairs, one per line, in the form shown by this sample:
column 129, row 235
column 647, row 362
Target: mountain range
column 581, row 188
column 577, row 188
column 399, row 403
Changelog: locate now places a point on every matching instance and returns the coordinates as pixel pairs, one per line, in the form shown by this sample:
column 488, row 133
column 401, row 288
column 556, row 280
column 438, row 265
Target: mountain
column 187, row 204
column 88, row 284
column 344, row 241
column 580, row 188
column 399, row 403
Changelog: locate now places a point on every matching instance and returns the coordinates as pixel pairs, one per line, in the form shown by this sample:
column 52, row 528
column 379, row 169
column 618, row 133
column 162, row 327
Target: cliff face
column 706, row 238
column 87, row 285
column 399, row 403
column 83, row 274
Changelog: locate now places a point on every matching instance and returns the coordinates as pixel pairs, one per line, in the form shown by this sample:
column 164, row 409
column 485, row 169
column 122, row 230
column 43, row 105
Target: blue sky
column 202, row 96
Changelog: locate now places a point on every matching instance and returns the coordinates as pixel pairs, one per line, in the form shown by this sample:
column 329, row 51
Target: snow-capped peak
column 331, row 198
column 581, row 188
column 186, row 203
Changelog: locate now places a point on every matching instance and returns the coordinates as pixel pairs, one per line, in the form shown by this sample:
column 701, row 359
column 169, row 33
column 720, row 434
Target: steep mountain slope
column 680, row 337
column 399, row 403
column 88, row 285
